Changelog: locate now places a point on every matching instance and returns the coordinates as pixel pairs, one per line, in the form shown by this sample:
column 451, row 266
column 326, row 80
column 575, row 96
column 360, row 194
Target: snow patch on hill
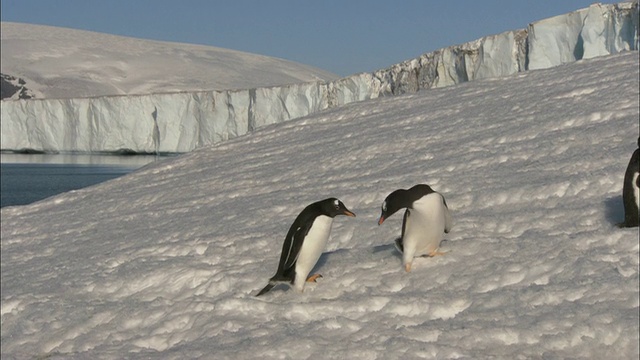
column 68, row 63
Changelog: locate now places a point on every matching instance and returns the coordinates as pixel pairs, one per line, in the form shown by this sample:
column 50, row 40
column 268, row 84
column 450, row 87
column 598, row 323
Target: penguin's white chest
column 312, row 247
column 425, row 225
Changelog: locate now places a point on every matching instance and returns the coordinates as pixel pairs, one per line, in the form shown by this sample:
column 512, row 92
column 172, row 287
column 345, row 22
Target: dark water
column 26, row 178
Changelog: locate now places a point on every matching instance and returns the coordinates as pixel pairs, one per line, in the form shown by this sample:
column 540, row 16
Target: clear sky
column 341, row 36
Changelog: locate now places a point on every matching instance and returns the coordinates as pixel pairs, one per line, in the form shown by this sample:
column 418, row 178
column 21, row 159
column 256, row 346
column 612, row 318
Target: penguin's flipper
column 293, row 244
column 398, row 244
column 448, row 221
column 313, row 277
column 266, row 289
column 404, row 223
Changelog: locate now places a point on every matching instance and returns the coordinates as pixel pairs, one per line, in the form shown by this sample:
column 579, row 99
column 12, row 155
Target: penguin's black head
column 401, row 199
column 392, row 203
column 333, row 207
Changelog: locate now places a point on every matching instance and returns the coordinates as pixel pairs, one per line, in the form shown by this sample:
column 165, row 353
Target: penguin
column 631, row 190
column 305, row 242
column 426, row 220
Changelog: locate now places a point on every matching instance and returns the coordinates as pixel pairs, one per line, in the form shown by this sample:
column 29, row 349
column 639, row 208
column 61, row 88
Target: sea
column 27, row 178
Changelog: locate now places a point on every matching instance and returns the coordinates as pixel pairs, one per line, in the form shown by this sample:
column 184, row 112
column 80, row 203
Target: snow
column 164, row 263
column 58, row 62
column 187, row 120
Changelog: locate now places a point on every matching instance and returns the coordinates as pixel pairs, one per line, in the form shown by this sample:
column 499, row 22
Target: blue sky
column 344, row 37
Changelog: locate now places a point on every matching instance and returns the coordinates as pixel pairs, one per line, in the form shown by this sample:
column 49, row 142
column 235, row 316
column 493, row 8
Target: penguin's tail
column 266, row 289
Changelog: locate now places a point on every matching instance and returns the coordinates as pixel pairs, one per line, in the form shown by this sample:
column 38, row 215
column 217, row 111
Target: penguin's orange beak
column 349, row 213
column 381, row 220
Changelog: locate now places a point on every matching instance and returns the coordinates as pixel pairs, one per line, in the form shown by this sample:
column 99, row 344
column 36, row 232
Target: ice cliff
column 180, row 122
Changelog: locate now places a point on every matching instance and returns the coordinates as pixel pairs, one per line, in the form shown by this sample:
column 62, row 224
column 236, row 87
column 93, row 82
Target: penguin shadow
column 393, row 249
column 281, row 287
column 322, row 261
column 387, row 248
column 324, row 258
column 614, row 210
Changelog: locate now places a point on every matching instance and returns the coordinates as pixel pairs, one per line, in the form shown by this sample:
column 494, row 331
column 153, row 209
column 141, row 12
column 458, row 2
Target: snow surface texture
column 165, row 262
column 181, row 122
column 68, row 63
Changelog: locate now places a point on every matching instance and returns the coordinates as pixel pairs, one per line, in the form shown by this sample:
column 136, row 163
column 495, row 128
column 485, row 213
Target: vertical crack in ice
column 156, row 131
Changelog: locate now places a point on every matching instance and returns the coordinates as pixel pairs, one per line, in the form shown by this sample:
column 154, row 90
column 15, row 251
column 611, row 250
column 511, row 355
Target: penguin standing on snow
column 631, row 190
column 425, row 221
column 305, row 242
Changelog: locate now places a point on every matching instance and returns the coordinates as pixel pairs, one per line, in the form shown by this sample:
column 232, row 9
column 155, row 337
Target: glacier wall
column 181, row 122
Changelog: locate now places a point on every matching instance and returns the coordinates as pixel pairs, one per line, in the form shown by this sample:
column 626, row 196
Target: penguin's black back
column 418, row 191
column 628, row 192
column 402, row 198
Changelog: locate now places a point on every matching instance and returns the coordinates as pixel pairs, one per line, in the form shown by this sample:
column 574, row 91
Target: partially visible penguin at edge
column 631, row 190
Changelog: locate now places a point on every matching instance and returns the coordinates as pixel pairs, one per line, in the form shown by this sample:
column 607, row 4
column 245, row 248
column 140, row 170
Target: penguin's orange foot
column 407, row 267
column 436, row 253
column 313, row 277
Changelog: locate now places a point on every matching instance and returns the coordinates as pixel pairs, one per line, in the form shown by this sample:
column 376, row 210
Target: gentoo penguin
column 425, row 221
column 305, row 242
column 631, row 190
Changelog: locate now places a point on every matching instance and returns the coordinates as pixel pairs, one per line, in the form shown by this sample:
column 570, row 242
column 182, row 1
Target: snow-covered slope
column 67, row 63
column 164, row 263
column 181, row 122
